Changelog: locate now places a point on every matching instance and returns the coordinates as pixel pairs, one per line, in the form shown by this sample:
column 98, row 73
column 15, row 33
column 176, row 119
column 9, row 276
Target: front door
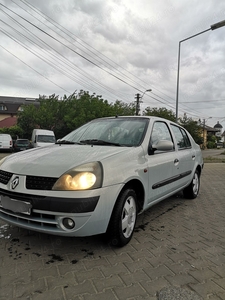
column 162, row 169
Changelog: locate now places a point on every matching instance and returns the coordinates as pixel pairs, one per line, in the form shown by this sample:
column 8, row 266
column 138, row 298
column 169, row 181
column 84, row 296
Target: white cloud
column 136, row 41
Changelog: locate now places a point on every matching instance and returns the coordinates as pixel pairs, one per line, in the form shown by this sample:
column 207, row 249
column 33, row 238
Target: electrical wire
column 76, row 52
column 163, row 101
column 60, row 28
column 35, row 70
column 69, row 48
column 85, row 45
column 72, row 65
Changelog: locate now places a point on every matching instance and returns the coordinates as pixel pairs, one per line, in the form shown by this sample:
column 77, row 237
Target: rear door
column 185, row 156
column 5, row 141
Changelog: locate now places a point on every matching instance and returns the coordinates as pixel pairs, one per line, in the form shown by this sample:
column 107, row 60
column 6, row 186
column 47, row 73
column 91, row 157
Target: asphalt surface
column 177, row 252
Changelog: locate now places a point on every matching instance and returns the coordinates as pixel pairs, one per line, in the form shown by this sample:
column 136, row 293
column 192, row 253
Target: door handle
column 176, row 161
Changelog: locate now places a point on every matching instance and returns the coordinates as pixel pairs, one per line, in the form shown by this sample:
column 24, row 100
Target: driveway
column 177, row 252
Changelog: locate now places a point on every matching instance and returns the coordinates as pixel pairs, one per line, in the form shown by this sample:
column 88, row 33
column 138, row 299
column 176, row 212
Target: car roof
column 136, row 117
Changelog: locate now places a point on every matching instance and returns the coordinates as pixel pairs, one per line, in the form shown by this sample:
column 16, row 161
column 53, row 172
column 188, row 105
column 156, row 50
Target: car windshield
column 22, row 142
column 45, row 139
column 110, row 132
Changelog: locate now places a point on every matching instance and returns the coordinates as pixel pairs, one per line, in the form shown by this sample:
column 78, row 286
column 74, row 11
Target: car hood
column 53, row 161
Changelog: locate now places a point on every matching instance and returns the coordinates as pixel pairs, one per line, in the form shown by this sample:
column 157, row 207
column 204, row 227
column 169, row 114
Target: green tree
column 15, row 131
column 47, row 116
column 69, row 113
column 160, row 112
column 27, row 120
column 211, row 141
column 193, row 128
column 84, row 107
column 120, row 108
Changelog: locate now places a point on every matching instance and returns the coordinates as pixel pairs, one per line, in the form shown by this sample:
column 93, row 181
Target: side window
column 160, row 131
column 181, row 137
column 186, row 138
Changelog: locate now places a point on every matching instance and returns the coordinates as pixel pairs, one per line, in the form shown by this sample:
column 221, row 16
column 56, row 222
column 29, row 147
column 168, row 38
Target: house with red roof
column 9, row 108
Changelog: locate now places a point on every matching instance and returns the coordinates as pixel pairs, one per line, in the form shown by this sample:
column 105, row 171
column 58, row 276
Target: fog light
column 68, row 223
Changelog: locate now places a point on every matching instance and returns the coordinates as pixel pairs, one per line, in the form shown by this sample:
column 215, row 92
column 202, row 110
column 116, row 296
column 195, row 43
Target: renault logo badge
column 14, row 182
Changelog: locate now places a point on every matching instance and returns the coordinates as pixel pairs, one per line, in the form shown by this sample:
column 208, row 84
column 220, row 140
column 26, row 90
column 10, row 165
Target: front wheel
column 191, row 191
column 123, row 219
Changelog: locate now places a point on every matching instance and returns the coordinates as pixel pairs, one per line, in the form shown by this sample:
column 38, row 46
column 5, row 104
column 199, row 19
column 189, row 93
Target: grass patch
column 211, row 159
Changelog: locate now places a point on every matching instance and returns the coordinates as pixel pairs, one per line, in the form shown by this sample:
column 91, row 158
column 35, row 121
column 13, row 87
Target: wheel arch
column 199, row 169
column 138, row 187
column 113, row 234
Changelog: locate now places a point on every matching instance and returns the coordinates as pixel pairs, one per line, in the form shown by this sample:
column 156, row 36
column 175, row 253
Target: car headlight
column 83, row 177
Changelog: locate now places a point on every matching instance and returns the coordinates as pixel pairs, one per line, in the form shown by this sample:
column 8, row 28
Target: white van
column 42, row 137
column 6, row 142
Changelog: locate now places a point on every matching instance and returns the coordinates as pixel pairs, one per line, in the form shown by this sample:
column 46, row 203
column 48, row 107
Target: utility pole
column 138, row 97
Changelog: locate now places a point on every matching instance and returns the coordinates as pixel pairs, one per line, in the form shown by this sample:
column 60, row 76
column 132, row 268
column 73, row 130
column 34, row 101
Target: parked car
column 42, row 138
column 219, row 145
column 21, row 144
column 6, row 142
column 98, row 178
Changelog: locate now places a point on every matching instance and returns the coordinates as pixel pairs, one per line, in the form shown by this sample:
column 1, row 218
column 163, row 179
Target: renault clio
column 99, row 177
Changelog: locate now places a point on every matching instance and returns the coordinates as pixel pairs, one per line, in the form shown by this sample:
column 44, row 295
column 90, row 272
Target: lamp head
column 218, row 25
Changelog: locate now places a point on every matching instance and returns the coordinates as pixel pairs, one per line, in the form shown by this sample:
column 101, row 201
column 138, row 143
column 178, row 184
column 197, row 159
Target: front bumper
column 56, row 204
column 89, row 210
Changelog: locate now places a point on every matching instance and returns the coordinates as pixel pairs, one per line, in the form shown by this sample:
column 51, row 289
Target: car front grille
column 5, row 176
column 32, row 182
column 40, row 183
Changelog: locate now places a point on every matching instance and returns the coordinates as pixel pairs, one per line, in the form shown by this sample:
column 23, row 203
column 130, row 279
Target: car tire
column 123, row 219
column 191, row 191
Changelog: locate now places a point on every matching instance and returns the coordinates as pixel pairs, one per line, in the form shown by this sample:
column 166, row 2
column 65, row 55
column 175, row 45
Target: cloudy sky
column 117, row 48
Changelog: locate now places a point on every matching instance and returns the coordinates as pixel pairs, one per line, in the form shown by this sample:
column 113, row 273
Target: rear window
column 181, row 136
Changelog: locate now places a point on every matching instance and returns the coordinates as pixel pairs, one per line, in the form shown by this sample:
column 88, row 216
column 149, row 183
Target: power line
column 67, row 62
column 202, row 101
column 60, row 28
column 34, row 69
column 66, row 31
column 165, row 102
column 82, row 56
column 79, row 54
column 53, row 65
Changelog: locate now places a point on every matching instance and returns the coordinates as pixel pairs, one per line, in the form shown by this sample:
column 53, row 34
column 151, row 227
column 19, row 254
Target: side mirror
column 162, row 145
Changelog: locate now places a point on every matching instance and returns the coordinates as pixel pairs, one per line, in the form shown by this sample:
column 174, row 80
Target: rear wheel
column 123, row 219
column 191, row 191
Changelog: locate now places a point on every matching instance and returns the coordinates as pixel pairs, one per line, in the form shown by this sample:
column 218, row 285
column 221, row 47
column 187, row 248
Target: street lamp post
column 138, row 101
column 212, row 27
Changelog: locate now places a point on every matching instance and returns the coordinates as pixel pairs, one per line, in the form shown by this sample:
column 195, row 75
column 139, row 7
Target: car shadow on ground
column 22, row 243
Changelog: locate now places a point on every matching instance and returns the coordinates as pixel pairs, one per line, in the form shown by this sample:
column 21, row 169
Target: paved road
column 177, row 252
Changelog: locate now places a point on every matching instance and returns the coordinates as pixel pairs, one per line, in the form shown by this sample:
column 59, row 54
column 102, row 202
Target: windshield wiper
column 66, row 142
column 99, row 142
